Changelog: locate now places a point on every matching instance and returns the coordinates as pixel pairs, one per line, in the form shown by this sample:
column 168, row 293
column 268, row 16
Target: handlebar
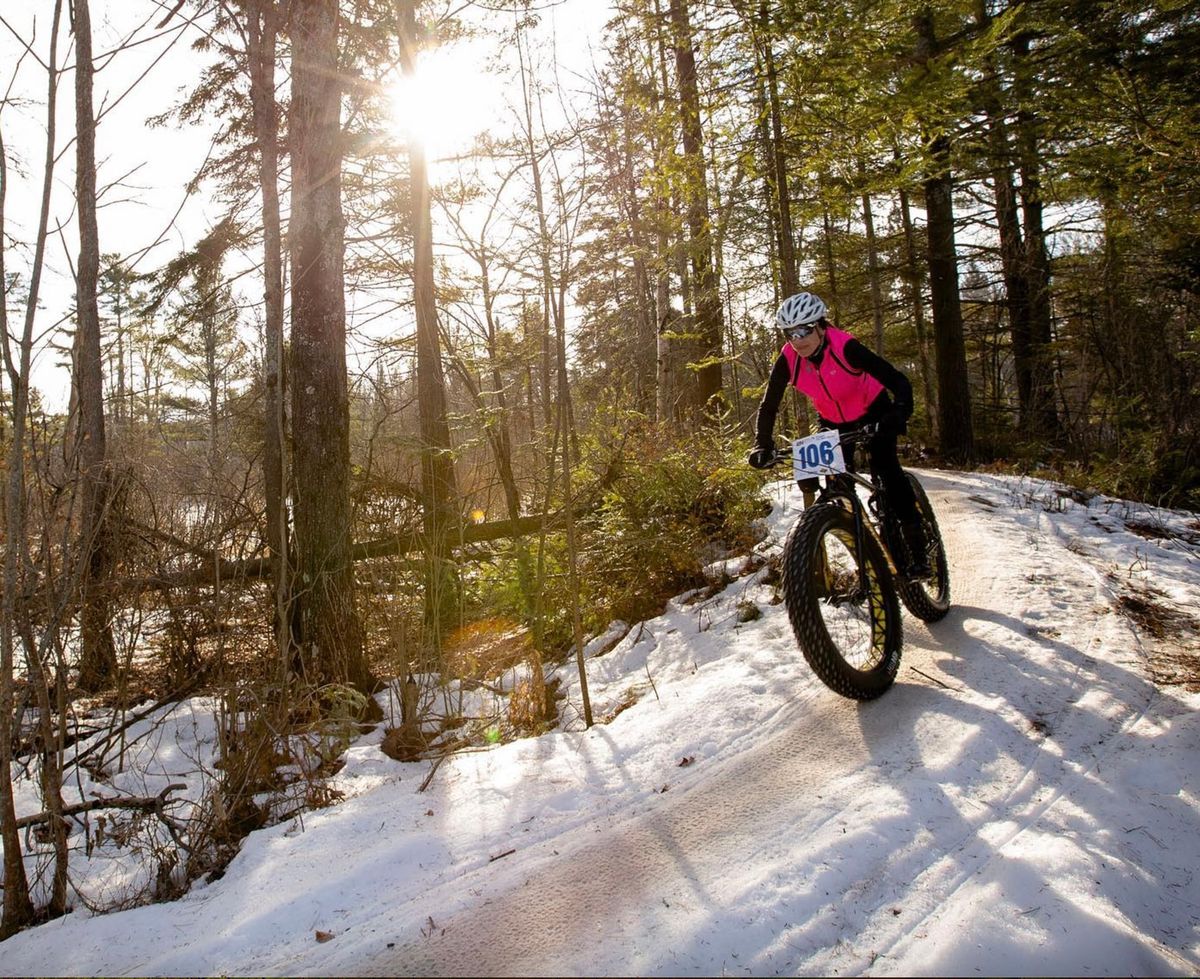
column 852, row 437
column 863, row 434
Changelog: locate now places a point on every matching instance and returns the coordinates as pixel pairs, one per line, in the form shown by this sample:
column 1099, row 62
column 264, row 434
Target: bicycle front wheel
column 846, row 622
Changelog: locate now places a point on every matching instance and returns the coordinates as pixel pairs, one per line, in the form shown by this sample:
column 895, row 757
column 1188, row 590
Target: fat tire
column 928, row 600
column 803, row 554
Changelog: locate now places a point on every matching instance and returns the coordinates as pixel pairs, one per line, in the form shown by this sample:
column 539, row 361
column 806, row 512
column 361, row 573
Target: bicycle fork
column 860, row 545
column 843, row 592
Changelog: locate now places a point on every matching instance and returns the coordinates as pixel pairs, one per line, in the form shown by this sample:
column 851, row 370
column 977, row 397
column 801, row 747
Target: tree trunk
column 547, row 286
column 644, row 356
column 1043, row 415
column 18, row 908
column 873, row 272
column 438, row 489
column 566, row 423
column 121, row 413
column 788, row 279
column 550, row 418
column 770, row 197
column 331, row 634
column 501, row 438
column 51, row 770
column 708, row 319
column 208, row 283
column 830, row 264
column 913, row 278
column 1012, row 260
column 954, row 392
column 98, row 657
column 262, row 35
column 664, row 380
column 1012, row 247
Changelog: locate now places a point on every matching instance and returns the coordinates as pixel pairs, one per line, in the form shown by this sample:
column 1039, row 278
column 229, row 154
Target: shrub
column 675, row 508
column 654, row 509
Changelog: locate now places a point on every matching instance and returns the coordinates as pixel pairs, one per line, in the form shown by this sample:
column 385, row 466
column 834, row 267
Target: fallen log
column 147, row 803
column 260, row 567
column 460, row 536
column 222, row 569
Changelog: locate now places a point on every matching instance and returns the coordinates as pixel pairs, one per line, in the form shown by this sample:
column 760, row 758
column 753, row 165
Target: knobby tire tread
column 916, row 596
column 800, row 555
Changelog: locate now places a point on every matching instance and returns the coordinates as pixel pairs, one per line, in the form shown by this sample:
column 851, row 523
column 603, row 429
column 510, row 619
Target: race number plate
column 818, row 455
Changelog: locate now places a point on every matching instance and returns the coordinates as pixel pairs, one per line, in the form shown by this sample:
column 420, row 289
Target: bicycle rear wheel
column 927, row 598
column 850, row 634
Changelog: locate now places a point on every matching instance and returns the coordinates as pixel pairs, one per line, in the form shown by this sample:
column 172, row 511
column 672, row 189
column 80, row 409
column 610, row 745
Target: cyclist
column 850, row 386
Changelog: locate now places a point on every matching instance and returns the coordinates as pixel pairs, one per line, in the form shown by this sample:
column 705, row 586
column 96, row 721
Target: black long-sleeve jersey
column 859, row 358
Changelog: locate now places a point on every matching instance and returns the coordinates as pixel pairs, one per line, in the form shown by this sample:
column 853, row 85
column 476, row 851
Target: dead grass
column 404, row 743
column 1152, row 530
column 628, row 699
column 487, row 648
column 479, row 655
column 533, row 705
column 1170, row 636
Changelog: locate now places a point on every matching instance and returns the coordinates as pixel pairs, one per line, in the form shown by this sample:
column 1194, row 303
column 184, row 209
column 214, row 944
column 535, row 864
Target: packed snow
column 1023, row 801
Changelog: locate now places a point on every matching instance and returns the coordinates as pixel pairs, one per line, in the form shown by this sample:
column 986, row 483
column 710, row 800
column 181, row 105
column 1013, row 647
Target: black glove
column 895, row 422
column 762, row 456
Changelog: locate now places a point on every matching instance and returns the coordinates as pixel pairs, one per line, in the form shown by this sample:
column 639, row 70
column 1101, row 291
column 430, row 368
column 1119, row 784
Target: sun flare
column 448, row 101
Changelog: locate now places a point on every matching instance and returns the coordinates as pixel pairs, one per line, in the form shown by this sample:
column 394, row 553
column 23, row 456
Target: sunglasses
column 799, row 332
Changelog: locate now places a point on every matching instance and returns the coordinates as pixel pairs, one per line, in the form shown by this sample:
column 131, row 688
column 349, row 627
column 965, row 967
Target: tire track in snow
column 1052, row 777
column 674, row 857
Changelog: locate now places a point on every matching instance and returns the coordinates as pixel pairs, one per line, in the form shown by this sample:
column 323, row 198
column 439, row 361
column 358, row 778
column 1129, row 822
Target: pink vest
column 838, row 392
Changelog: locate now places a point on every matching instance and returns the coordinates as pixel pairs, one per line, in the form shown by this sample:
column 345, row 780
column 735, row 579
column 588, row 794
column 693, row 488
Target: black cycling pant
column 884, row 463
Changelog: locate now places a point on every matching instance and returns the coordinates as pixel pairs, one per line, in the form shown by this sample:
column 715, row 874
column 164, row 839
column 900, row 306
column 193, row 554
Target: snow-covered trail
column 896, row 836
column 1023, row 801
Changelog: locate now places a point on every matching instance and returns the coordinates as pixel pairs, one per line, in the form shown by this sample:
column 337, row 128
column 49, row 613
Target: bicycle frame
column 839, row 486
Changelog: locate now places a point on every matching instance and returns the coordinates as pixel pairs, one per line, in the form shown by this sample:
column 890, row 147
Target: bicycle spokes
column 851, row 613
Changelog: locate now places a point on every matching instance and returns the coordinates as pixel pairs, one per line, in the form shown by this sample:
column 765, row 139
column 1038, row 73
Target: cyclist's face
column 807, row 346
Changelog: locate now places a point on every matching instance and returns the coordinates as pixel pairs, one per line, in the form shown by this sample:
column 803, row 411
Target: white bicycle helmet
column 799, row 310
